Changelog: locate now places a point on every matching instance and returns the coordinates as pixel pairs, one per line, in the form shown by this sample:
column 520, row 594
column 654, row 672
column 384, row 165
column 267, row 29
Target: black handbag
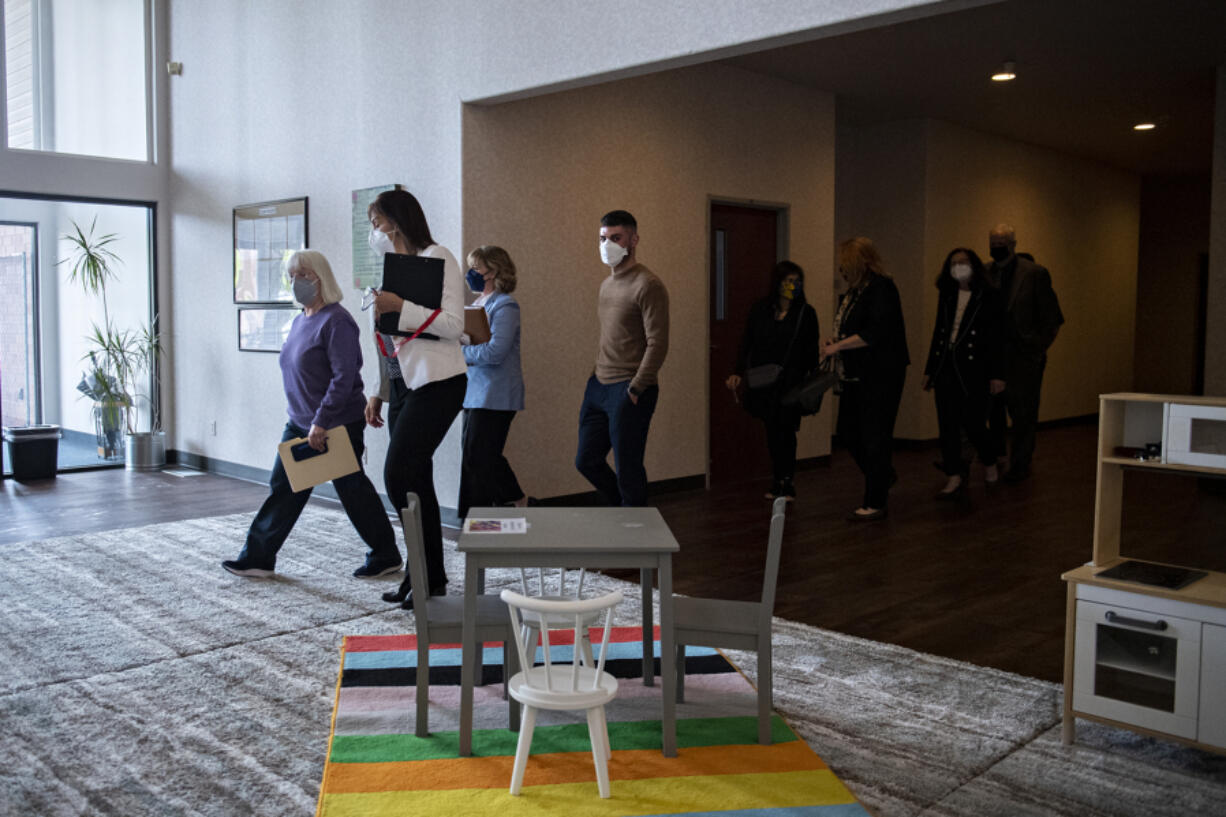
column 809, row 392
column 764, row 376
column 768, row 374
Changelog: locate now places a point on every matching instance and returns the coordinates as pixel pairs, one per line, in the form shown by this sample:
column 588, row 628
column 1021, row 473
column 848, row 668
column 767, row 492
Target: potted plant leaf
column 118, row 360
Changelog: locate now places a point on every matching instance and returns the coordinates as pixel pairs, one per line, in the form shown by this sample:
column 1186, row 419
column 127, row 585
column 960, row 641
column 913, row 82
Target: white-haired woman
column 321, row 365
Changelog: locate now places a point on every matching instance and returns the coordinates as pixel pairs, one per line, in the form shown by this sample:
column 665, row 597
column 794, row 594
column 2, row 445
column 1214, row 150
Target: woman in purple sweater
column 321, row 363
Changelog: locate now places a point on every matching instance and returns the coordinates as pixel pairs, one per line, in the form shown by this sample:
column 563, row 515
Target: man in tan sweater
column 621, row 394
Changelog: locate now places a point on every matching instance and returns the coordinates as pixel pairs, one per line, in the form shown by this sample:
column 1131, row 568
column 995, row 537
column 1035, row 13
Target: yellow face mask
column 788, row 289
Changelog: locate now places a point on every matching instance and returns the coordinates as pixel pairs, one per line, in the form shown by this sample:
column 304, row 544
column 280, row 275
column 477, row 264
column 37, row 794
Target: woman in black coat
column 870, row 351
column 965, row 365
column 781, row 330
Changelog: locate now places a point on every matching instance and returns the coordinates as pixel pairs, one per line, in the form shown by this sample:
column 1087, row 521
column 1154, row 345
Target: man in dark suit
column 1033, row 319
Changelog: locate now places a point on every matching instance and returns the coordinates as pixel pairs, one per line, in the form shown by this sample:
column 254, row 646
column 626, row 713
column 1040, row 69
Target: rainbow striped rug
column 376, row 766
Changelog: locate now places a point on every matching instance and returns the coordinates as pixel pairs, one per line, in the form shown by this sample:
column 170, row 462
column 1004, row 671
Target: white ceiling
column 1087, row 71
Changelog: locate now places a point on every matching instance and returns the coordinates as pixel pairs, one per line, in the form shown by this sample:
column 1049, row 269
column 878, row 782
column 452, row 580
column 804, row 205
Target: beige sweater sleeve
column 653, row 301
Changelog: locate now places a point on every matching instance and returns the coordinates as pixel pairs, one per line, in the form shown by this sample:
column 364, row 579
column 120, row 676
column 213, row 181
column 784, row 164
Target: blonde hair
column 859, row 261
column 499, row 262
column 317, row 263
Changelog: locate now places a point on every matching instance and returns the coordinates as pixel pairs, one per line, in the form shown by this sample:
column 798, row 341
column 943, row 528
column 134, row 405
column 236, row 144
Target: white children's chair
column 555, row 584
column 562, row 685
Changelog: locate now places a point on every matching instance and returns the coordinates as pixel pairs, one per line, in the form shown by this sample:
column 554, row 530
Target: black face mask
column 999, row 253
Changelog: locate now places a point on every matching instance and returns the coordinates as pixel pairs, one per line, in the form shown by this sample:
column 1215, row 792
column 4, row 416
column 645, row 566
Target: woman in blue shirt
column 495, row 386
column 321, row 365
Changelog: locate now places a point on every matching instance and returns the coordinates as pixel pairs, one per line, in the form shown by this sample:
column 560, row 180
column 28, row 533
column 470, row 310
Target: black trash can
column 33, row 451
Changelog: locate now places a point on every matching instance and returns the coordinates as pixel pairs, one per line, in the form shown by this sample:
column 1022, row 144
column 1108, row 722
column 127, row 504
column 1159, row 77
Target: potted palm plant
column 118, row 360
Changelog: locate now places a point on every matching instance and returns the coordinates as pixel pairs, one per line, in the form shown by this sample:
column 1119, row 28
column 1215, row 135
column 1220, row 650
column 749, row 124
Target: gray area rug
column 138, row 678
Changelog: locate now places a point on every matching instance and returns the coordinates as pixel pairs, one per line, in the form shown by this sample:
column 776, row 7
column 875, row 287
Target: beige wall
column 882, row 182
column 1079, row 219
column 539, row 173
column 1174, row 235
column 929, row 186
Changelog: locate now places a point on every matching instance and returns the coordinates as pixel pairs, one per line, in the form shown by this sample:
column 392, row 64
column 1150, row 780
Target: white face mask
column 961, row 272
column 380, row 242
column 611, row 252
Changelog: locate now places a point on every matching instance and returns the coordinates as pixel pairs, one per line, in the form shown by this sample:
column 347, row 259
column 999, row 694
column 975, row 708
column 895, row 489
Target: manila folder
column 317, row 467
column 476, row 325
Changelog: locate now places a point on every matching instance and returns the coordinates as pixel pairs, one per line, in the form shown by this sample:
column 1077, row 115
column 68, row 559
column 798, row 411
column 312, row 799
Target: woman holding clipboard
column 433, row 374
column 321, row 365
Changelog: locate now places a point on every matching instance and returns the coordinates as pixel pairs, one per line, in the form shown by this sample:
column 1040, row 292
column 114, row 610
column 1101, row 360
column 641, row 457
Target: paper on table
column 518, row 525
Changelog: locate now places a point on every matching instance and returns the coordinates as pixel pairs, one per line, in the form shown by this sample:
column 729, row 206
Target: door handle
column 1116, row 618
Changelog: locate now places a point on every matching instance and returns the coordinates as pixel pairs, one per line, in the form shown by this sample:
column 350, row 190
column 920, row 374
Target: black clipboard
column 416, row 279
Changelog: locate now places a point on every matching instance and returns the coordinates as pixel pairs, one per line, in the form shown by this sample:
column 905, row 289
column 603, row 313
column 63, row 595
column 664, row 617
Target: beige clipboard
column 337, row 461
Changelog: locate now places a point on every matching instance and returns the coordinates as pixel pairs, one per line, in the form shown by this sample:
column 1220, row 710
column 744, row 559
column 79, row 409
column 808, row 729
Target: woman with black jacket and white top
column 965, row 365
column 781, row 330
column 433, row 374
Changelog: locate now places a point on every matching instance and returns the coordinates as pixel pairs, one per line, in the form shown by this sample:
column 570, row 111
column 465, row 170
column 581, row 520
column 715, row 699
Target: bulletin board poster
column 367, row 269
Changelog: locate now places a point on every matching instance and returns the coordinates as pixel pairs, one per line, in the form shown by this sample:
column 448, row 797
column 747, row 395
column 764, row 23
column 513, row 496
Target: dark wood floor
column 978, row 582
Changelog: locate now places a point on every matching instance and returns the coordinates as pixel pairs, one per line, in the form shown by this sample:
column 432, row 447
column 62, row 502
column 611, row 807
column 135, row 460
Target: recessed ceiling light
column 1144, row 126
column 1008, row 71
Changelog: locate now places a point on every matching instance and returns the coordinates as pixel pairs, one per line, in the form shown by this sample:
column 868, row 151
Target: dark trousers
column 276, row 517
column 397, row 392
column 1021, row 399
column 609, row 420
column 781, row 430
column 421, row 423
column 959, row 411
column 486, row 477
column 867, row 410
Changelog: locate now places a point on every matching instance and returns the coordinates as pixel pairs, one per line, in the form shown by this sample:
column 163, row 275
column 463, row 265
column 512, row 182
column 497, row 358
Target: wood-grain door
column 744, row 249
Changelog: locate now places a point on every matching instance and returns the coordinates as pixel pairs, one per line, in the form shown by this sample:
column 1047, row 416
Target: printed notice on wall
column 367, row 269
column 519, row 525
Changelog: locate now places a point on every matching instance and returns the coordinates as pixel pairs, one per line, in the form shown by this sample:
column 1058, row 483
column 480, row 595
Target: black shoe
column 775, row 492
column 787, row 489
column 407, row 603
column 373, row 570
column 1016, row 475
column 242, row 567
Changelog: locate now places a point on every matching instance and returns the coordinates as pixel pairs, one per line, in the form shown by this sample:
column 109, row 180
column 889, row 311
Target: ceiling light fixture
column 1008, row 71
column 1144, row 126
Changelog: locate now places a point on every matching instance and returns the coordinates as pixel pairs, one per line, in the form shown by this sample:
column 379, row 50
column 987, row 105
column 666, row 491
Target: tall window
column 77, row 77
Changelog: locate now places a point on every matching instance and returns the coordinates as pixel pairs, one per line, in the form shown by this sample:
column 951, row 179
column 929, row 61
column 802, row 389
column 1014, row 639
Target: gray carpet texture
column 138, row 678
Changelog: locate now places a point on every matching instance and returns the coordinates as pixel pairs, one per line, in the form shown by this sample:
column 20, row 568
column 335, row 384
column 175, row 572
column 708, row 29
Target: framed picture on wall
column 264, row 329
column 264, row 236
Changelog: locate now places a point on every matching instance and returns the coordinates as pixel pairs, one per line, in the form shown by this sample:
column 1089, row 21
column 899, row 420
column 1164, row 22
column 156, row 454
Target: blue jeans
column 283, row 506
column 609, row 420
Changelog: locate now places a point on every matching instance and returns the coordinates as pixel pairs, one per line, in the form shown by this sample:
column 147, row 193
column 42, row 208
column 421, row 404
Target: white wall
column 343, row 97
column 533, row 47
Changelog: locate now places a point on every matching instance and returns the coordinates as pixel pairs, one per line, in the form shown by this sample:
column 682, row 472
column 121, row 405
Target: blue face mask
column 476, row 281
